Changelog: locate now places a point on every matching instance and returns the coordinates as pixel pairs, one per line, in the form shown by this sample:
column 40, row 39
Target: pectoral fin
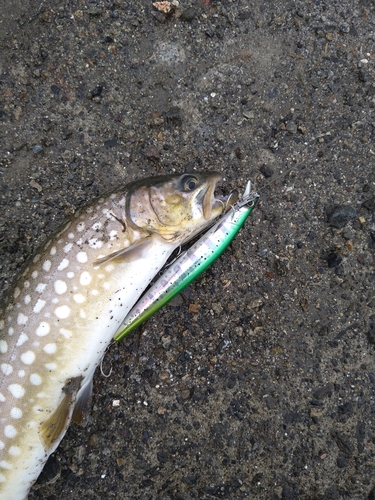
column 126, row 254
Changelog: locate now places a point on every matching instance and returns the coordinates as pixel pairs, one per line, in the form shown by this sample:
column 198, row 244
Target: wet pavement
column 259, row 381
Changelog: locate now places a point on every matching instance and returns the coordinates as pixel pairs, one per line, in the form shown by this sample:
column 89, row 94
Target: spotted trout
column 69, row 302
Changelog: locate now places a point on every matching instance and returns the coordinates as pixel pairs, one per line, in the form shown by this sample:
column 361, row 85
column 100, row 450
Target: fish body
column 191, row 263
column 69, row 302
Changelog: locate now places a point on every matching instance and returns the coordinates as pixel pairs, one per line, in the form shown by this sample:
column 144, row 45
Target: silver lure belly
column 55, row 331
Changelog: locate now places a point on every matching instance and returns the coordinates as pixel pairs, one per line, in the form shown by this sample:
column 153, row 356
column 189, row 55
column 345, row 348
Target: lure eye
column 189, row 183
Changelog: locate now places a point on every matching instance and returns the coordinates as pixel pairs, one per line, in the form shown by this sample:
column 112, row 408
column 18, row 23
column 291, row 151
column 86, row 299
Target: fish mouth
column 214, row 204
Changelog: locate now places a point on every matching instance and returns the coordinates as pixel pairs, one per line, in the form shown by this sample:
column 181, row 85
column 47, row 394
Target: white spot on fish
column 82, row 314
column 28, row 357
column 62, row 312
column 79, row 298
column 6, row 368
column 63, row 264
column 21, row 373
column 22, row 319
column 5, row 465
column 47, row 266
column 79, row 242
column 2, row 446
column 96, row 226
column 106, row 285
column 2, row 398
column 16, row 413
column 109, row 268
column 41, row 287
column 34, row 274
column 67, row 333
column 50, row 366
column 16, row 390
column 22, row 339
column 60, row 287
column 68, row 247
column 55, row 300
column 39, row 305
column 27, row 299
column 81, row 257
column 94, row 292
column 14, row 451
column 10, row 331
column 70, row 275
column 35, row 379
column 85, row 278
column 10, row 431
column 89, row 210
column 16, row 293
column 26, row 284
column 31, row 424
column 80, row 227
column 50, row 348
column 2, row 478
column 43, row 329
column 113, row 234
column 95, row 243
column 3, row 346
column 36, row 258
column 53, row 251
column 71, row 236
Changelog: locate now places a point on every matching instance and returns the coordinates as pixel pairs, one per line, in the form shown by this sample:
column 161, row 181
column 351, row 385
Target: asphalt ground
column 259, row 382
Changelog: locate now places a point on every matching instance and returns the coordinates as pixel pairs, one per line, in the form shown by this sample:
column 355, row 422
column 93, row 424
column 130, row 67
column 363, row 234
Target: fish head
column 176, row 206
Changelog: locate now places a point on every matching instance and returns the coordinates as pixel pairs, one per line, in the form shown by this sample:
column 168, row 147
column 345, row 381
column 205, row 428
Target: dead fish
column 70, row 300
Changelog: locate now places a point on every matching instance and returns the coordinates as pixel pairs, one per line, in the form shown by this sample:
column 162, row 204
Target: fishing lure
column 191, row 263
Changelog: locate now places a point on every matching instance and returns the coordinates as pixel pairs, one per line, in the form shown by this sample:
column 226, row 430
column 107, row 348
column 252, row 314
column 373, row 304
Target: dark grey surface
column 267, row 391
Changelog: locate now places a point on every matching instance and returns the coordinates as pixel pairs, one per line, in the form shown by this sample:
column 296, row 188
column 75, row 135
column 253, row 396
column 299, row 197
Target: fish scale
column 65, row 309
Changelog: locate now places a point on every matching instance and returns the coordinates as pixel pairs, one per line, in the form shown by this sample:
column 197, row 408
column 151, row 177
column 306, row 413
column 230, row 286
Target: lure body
column 191, row 263
column 70, row 301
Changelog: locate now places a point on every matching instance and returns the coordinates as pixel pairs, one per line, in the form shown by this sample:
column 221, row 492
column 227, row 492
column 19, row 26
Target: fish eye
column 189, row 183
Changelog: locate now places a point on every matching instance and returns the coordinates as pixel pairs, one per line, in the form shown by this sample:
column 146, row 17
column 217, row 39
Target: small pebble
column 164, row 7
column 370, row 204
column 341, row 215
column 333, row 260
column 35, row 185
column 291, row 127
column 152, row 153
column 266, row 171
column 344, row 28
column 188, row 14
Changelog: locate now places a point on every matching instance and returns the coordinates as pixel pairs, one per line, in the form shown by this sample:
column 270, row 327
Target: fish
column 192, row 263
column 70, row 300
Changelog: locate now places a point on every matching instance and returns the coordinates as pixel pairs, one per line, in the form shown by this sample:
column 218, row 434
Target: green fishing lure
column 191, row 263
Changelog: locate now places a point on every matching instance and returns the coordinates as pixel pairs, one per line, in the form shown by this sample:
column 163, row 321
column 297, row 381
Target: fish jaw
column 55, row 333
